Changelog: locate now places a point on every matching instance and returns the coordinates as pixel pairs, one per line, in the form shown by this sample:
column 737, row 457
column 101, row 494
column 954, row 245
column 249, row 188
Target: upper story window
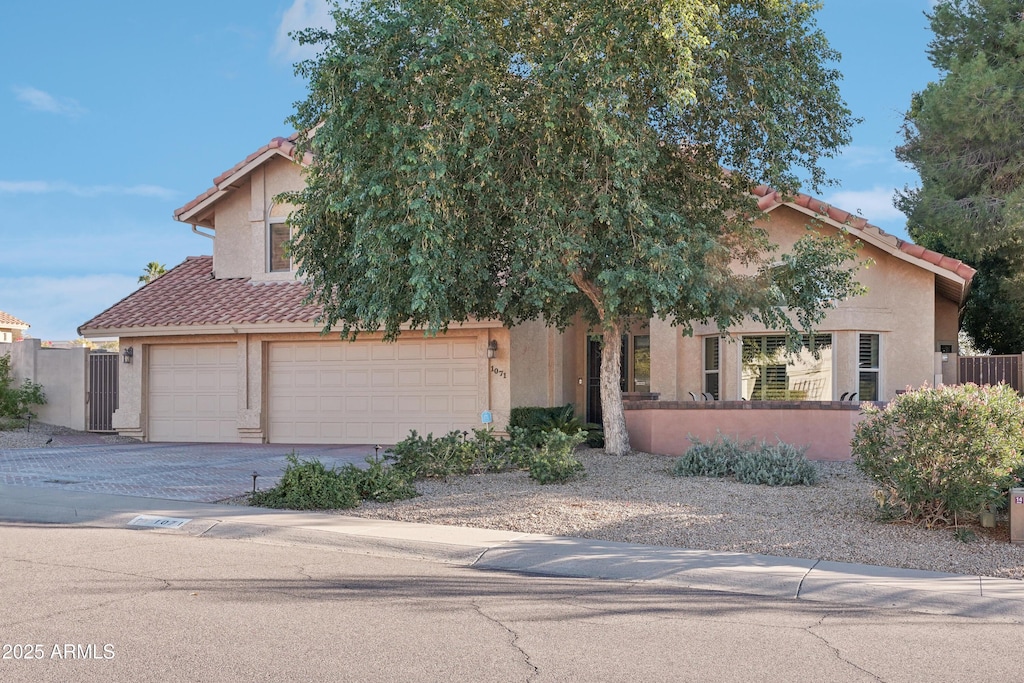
column 278, row 233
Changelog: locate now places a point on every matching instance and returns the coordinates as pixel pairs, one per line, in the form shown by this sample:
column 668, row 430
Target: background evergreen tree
column 965, row 137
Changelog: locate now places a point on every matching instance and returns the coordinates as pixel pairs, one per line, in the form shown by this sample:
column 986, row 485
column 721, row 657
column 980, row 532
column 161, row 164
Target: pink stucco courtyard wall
column 823, row 427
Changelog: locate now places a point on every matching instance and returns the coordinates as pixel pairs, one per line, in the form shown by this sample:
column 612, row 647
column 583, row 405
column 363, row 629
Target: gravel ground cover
column 635, row 499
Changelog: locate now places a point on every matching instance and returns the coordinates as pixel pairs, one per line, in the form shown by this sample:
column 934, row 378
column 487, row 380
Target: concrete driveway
column 201, row 472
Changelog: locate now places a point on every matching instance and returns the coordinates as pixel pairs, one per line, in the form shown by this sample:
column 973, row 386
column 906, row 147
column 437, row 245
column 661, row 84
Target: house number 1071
column 500, row 373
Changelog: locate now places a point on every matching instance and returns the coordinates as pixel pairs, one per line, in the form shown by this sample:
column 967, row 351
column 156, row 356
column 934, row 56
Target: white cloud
column 875, row 204
column 40, row 100
column 54, row 307
column 302, row 14
column 61, row 187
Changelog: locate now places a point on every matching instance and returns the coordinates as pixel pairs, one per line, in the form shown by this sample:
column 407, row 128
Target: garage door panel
column 374, row 392
column 193, row 392
column 436, row 377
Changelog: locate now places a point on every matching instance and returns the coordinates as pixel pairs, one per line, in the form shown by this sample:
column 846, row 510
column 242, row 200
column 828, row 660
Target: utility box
column 1016, row 515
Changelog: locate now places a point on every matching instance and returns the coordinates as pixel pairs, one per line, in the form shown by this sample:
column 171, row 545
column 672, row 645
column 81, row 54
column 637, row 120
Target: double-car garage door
column 371, row 392
column 319, row 392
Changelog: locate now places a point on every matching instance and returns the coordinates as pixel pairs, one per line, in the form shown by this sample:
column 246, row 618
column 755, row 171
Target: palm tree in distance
column 152, row 272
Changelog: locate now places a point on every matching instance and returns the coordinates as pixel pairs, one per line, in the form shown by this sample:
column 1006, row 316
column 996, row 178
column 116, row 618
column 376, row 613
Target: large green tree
column 964, row 134
column 588, row 160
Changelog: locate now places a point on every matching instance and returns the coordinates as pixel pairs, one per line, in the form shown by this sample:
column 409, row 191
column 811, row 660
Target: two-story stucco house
column 223, row 348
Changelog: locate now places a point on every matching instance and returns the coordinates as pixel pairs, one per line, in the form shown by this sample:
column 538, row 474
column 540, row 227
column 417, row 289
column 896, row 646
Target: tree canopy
column 153, row 271
column 513, row 160
column 963, row 135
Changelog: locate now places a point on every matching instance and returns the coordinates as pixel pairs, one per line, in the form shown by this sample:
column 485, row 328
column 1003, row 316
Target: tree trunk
column 616, row 439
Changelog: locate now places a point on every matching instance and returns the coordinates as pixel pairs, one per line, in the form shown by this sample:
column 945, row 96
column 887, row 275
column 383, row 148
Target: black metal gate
column 102, row 398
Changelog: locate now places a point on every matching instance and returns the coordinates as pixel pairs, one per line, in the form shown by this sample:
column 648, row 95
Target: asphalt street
column 115, row 604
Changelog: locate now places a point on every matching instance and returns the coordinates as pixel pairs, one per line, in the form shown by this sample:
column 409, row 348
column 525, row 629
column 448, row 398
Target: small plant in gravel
column 942, row 455
column 309, row 485
column 555, row 461
column 380, row 482
column 710, row 458
column 781, row 464
column 429, row 457
column 749, row 462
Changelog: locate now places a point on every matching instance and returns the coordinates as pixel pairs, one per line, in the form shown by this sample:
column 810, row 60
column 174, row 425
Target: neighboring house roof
column 9, row 322
column 953, row 276
column 195, row 212
column 189, row 296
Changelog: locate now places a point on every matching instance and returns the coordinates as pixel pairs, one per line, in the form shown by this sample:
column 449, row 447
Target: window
column 278, row 233
column 278, row 257
column 769, row 375
column 868, row 367
column 642, row 362
column 712, row 360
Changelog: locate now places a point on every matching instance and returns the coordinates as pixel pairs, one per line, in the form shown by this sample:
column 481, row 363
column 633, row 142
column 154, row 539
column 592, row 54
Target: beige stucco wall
column 899, row 305
column 63, row 373
column 947, row 327
column 547, row 365
column 241, row 221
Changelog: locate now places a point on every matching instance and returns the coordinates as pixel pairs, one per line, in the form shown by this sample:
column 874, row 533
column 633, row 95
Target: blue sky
column 115, row 113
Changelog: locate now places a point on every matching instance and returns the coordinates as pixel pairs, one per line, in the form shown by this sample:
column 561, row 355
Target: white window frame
column 877, row 370
column 738, row 356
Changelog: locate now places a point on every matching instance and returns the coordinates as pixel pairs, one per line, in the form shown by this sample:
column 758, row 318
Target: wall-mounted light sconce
column 492, row 348
column 126, row 355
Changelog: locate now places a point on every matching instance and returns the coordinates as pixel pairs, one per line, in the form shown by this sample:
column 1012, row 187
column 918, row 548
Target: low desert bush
column 710, row 458
column 309, row 485
column 941, row 455
column 555, row 462
column 749, row 462
column 17, row 401
column 421, row 457
column 781, row 464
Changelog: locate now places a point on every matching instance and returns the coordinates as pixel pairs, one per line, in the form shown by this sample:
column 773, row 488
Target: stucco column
column 665, row 364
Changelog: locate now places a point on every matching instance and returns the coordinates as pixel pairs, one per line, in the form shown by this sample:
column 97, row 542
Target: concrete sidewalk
column 863, row 585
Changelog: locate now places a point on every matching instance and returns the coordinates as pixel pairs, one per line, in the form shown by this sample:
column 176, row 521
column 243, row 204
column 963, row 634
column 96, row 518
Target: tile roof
column 189, row 295
column 285, row 146
column 8, row 320
column 769, row 199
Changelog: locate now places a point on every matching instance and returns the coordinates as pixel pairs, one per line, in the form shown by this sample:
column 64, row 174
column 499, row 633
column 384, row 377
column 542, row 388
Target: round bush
column 942, row 454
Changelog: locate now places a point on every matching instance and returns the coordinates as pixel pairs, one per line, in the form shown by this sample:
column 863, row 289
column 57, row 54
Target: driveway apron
column 197, row 472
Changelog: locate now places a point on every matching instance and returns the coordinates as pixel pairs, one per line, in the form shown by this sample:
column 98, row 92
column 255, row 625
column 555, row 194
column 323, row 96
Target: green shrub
column 749, row 462
column 710, row 458
column 501, row 455
column 430, row 457
column 779, row 465
column 16, row 402
column 308, row 485
column 942, row 454
column 554, row 462
column 537, row 419
column 380, row 482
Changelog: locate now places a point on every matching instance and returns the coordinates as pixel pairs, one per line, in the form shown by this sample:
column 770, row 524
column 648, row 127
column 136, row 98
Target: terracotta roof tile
column 8, row 320
column 188, row 294
column 285, row 145
column 769, row 198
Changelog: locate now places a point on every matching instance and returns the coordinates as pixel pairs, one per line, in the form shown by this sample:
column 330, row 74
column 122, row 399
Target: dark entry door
column 594, row 375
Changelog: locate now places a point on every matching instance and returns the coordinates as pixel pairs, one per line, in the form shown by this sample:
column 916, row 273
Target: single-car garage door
column 372, row 392
column 193, row 392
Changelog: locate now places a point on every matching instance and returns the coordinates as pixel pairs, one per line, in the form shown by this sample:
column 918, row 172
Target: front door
column 594, row 375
